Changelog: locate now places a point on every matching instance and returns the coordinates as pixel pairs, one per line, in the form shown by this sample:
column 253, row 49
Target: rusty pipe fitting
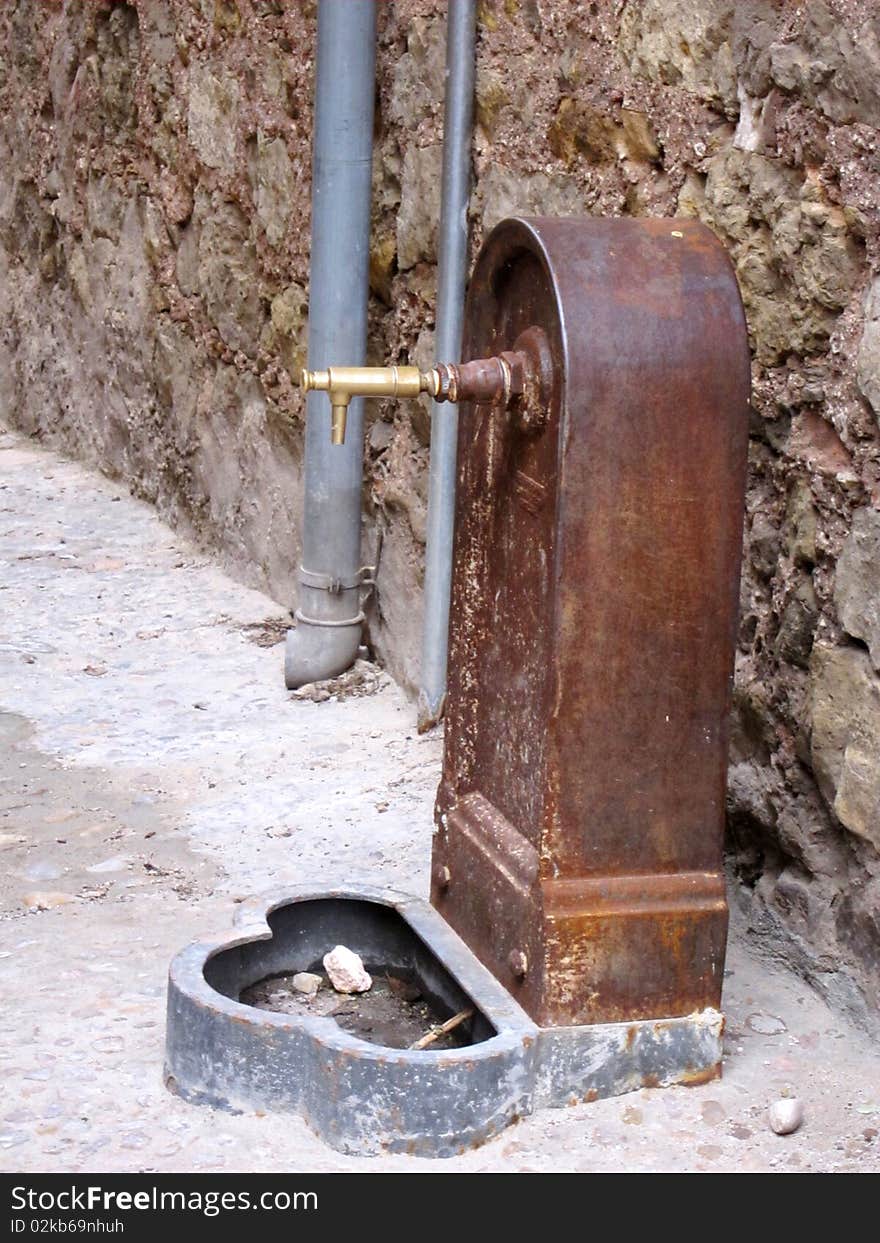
column 485, row 381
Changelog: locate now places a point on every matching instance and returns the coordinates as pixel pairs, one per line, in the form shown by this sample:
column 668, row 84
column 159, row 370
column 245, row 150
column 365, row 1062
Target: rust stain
column 244, row 1020
column 529, row 492
column 694, row 1078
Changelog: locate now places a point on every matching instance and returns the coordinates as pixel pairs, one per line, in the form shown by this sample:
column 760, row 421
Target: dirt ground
column 154, row 771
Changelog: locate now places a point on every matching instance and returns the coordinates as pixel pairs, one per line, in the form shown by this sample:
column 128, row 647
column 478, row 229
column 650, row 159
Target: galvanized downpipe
column 451, row 279
column 329, row 618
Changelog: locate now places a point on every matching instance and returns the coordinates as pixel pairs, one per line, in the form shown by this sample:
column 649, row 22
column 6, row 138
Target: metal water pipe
column 451, row 279
column 329, row 618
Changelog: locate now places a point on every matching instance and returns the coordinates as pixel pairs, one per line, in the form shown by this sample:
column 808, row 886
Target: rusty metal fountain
column 577, row 903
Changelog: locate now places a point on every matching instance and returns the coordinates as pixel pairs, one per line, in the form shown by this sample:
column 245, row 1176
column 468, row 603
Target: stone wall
column 154, row 204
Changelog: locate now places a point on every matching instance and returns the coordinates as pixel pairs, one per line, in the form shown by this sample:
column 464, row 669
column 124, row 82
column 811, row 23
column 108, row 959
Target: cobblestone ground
column 154, row 771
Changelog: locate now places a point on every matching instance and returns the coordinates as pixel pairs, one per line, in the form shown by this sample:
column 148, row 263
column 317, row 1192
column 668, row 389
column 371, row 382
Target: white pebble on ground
column 786, row 1115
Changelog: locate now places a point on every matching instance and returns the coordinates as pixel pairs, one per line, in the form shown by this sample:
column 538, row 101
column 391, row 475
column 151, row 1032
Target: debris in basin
column 406, row 990
column 280, row 994
column 307, row 982
column 346, row 971
column 385, row 1017
column 394, row 1013
column 786, row 1115
column 436, row 1032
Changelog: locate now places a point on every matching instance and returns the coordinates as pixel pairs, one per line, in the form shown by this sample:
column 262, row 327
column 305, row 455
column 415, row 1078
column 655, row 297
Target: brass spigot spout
column 343, row 383
column 338, row 419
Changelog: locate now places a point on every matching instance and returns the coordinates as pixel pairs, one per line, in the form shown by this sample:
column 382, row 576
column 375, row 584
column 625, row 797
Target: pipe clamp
column 301, row 619
column 326, row 582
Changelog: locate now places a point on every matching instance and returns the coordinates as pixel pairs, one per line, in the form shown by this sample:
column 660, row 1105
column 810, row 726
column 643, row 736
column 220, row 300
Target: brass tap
column 343, row 383
column 519, row 379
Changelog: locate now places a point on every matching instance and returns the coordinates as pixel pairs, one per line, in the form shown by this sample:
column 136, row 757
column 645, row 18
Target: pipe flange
column 531, row 403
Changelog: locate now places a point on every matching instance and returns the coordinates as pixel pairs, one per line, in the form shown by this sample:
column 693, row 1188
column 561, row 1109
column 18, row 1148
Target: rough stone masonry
column 154, row 207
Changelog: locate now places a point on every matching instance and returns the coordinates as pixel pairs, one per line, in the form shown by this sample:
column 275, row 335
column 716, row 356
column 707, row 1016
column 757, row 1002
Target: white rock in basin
column 306, row 982
column 346, row 971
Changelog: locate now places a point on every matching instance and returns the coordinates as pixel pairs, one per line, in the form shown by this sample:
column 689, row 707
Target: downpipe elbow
column 316, row 650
